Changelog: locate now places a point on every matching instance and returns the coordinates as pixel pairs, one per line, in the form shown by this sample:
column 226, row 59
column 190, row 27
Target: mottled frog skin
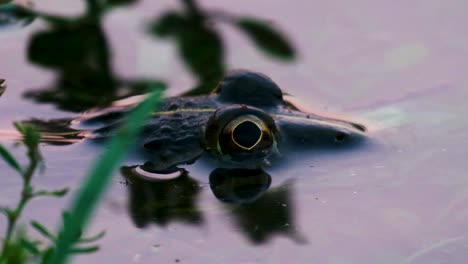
column 177, row 131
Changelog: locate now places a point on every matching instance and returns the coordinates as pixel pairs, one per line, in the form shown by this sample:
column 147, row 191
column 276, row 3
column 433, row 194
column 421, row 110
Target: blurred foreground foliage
column 17, row 247
column 200, row 43
column 98, row 178
column 77, row 49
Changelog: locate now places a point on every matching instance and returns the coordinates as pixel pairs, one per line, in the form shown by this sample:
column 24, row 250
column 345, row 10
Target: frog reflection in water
column 256, row 211
column 244, row 122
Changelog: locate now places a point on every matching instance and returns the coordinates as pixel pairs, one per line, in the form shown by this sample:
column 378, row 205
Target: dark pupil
column 246, row 134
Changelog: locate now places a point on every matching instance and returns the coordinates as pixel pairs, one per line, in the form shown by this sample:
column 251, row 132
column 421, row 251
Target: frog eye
column 240, row 133
column 245, row 132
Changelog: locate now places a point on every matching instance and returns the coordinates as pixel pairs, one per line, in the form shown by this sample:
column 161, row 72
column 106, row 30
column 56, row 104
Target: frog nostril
column 247, row 134
column 340, row 137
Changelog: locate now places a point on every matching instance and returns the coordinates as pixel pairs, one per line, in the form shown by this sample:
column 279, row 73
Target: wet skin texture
column 244, row 121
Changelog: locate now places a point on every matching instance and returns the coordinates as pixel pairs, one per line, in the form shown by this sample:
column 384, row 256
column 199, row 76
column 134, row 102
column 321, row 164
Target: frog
column 245, row 121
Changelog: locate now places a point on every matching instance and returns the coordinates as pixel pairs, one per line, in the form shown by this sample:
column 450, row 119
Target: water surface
column 396, row 67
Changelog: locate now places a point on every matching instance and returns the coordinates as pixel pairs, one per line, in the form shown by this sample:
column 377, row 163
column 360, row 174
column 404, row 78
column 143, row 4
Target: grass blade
column 54, row 193
column 10, row 159
column 42, row 230
column 94, row 185
column 31, row 247
column 84, row 250
column 93, row 238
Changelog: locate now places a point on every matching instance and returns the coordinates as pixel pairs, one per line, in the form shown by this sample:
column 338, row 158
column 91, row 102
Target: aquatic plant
column 98, row 179
column 17, row 247
column 15, row 243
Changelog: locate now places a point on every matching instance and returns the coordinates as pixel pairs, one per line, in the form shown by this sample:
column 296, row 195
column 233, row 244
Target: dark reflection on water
column 161, row 201
column 271, row 214
column 77, row 49
column 258, row 213
column 239, row 185
column 200, row 43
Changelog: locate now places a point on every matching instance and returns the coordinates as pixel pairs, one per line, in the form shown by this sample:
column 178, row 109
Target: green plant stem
column 97, row 180
column 13, row 216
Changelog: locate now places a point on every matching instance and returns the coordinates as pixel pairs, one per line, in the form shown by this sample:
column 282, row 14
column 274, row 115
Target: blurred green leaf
column 65, row 216
column 15, row 252
column 120, row 2
column 15, row 15
column 93, row 238
column 267, row 38
column 84, row 250
column 42, row 230
column 143, row 86
column 6, row 211
column 30, row 135
column 8, row 158
column 31, row 140
column 78, row 50
column 62, row 46
column 199, row 44
column 202, row 50
column 19, row 127
column 46, row 255
column 31, row 247
column 55, row 193
column 169, row 24
column 98, row 179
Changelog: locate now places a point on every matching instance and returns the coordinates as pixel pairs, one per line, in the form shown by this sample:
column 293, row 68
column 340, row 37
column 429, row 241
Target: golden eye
column 240, row 133
column 246, row 131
